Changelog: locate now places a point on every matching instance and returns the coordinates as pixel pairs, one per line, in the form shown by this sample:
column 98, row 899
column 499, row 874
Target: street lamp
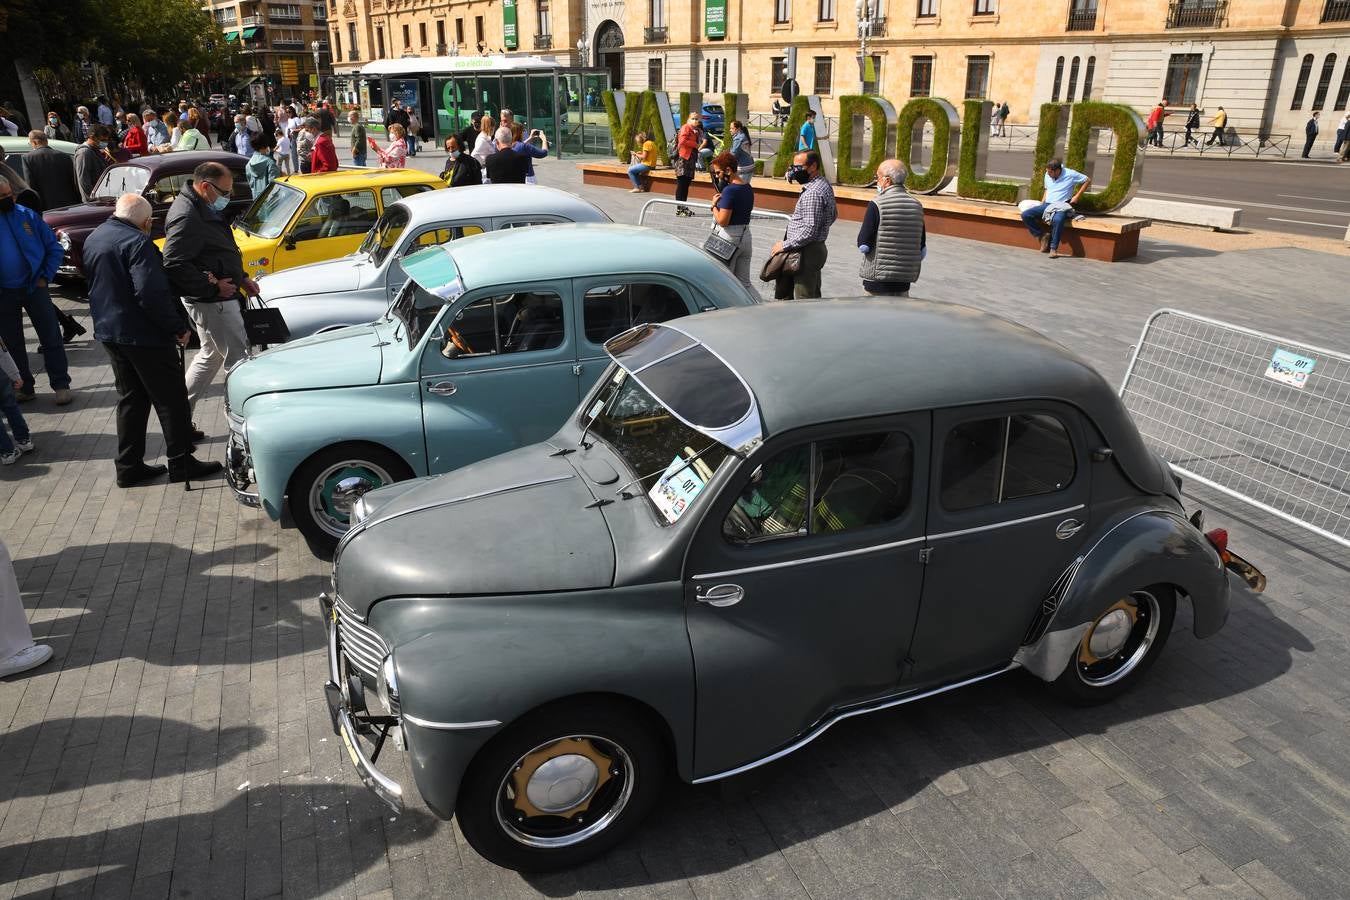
column 583, row 46
column 865, row 9
column 316, row 46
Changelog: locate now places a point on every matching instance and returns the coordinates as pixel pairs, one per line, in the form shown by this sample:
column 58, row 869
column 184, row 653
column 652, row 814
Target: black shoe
column 139, row 475
column 190, row 468
column 71, row 329
column 197, row 434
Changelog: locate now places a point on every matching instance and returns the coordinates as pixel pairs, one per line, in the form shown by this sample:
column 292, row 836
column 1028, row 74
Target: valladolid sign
column 958, row 153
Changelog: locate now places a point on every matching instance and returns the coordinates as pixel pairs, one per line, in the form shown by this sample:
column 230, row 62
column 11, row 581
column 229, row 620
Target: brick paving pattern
column 179, row 744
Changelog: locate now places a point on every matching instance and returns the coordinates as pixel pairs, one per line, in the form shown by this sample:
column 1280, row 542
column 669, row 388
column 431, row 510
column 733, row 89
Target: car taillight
column 1219, row 538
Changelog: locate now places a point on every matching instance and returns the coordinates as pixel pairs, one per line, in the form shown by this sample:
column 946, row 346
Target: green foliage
column 787, row 147
column 941, row 114
column 621, row 130
column 652, row 123
column 974, row 138
column 1129, row 131
column 851, row 106
column 1054, row 121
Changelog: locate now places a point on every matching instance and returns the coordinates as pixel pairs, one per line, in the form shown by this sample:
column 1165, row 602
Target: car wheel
column 323, row 518
column 1119, row 646
column 561, row 786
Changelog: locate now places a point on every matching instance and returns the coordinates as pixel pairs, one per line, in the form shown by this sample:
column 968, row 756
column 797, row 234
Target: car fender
column 486, row 661
column 287, row 428
column 1149, row 547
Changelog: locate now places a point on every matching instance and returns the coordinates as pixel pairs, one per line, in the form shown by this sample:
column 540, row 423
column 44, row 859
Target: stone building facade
column 277, row 39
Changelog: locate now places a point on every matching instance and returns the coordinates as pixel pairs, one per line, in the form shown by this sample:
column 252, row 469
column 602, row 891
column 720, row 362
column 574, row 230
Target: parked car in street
column 714, row 118
column 158, row 177
column 359, row 287
column 758, row 523
column 488, row 346
column 303, row 219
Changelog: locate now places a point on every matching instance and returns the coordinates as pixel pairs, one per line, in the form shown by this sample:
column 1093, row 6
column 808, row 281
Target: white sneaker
column 25, row 659
column 10, row 457
column 25, row 446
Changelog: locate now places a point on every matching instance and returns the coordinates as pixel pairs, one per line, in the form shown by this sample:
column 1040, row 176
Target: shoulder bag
column 780, row 264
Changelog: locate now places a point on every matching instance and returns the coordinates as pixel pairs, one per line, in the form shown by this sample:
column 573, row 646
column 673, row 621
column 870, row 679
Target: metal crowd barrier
column 766, row 229
column 1261, row 418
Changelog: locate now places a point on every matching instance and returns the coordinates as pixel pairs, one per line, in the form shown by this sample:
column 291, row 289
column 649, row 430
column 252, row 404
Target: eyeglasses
column 219, row 190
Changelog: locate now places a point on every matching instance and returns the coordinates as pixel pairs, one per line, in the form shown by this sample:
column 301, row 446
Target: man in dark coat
column 506, row 166
column 51, row 173
column 138, row 320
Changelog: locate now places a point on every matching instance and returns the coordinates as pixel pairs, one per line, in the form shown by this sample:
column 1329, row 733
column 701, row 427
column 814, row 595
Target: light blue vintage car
column 490, row 344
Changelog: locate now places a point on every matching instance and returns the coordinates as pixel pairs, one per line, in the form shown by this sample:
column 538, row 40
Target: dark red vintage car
column 157, row 177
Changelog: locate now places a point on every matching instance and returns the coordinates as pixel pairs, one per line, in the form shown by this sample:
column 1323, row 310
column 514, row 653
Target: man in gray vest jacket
column 892, row 239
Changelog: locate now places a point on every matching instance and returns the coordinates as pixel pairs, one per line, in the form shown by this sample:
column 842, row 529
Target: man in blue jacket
column 138, row 320
column 29, row 257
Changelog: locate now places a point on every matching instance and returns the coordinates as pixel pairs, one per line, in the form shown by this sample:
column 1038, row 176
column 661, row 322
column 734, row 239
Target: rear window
column 991, row 461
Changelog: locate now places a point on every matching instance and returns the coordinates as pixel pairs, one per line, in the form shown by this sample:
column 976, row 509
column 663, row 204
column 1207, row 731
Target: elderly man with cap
column 139, row 322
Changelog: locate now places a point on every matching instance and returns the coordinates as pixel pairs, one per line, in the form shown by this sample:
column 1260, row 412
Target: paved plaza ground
column 179, row 745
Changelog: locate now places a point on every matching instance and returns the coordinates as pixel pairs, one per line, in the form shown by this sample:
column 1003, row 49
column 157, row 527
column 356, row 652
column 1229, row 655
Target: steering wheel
column 458, row 341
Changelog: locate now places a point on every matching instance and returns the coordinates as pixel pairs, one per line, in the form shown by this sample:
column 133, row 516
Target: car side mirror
column 288, row 242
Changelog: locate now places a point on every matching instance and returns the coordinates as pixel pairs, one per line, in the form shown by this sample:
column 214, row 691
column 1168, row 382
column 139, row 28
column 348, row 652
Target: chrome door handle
column 720, row 594
column 442, row 388
column 1067, row 529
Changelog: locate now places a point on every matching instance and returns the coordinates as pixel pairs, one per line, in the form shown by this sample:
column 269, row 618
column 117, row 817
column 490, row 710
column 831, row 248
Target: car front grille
column 364, row 649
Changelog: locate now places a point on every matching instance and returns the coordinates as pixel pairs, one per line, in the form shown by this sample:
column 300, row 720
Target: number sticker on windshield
column 676, row 489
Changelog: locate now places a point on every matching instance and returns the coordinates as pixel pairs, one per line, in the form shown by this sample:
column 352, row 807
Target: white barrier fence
column 1261, row 418
column 766, row 229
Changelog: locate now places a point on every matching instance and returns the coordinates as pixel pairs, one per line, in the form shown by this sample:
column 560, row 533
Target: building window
column 777, row 74
column 1082, row 15
column 826, row 11
column 654, row 74
column 1059, row 80
column 1073, row 81
column 421, row 34
column 873, row 85
column 337, row 45
column 927, row 9
column 1324, row 82
column 351, row 38
column 440, row 35
column 1087, row 77
column 724, row 76
column 782, row 12
column 1343, row 92
column 459, row 32
column 1183, row 79
column 545, row 24
column 824, row 74
column 658, row 13
column 984, row 7
column 379, row 42
column 977, row 77
column 478, row 31
column 921, row 76
column 407, row 44
column 1304, row 72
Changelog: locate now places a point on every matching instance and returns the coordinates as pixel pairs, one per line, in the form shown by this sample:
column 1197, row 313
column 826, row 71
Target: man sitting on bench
column 1056, row 205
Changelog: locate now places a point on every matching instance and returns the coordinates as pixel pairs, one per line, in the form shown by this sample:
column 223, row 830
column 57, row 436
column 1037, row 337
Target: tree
column 158, row 43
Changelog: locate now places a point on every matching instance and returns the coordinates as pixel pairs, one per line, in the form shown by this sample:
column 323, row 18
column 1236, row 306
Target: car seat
column 334, row 225
column 538, row 325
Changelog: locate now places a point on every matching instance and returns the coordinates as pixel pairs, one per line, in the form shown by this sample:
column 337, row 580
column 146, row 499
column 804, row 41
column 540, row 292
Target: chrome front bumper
column 239, row 465
column 348, row 722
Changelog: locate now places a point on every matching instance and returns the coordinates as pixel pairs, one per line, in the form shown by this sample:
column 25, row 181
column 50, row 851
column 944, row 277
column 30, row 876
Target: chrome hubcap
column 337, row 488
column 565, row 791
column 1119, row 640
column 562, row 783
column 1110, row 633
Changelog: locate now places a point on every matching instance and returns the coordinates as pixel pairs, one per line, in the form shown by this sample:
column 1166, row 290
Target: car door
column 610, row 305
column 1010, row 507
column 329, row 226
column 497, row 372
column 803, row 583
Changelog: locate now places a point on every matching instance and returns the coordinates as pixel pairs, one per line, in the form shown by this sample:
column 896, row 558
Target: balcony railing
column 543, row 41
column 251, row 21
column 1336, row 11
column 1193, row 14
column 656, row 34
column 1081, row 18
column 283, row 17
column 287, row 44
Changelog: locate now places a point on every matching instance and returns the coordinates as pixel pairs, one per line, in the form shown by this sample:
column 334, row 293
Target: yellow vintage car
column 302, row 219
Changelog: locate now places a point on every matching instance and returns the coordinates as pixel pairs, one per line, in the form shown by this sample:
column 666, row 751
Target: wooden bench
column 1105, row 238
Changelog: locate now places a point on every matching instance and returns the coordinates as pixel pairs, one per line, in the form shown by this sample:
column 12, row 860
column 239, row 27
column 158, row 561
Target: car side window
column 526, row 223
column 826, row 487
column 989, row 461
column 390, row 195
column 442, row 236
column 336, row 215
column 510, row 323
column 166, row 188
column 614, row 308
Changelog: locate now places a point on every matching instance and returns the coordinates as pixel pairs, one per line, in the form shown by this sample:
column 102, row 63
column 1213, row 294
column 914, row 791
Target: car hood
column 517, row 523
column 347, row 273
column 346, row 357
column 89, row 215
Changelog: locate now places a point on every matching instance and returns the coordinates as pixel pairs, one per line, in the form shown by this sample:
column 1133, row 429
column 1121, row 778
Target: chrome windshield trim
column 825, row 725
column 810, row 559
column 450, row 726
column 979, row 528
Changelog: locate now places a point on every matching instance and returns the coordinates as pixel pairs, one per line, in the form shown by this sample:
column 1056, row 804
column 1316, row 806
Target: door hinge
column 576, row 370
column 925, row 555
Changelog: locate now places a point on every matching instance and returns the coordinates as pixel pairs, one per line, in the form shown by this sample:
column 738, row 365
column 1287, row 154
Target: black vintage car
column 157, row 177
column 758, row 523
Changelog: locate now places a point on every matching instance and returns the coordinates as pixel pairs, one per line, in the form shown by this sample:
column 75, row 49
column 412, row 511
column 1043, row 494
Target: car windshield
column 269, row 216
column 671, row 463
column 381, row 239
column 121, row 180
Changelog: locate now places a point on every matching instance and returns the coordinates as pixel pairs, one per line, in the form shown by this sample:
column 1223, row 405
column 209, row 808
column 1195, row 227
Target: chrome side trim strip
column 848, row 714
column 979, row 528
column 450, row 726
column 811, row 559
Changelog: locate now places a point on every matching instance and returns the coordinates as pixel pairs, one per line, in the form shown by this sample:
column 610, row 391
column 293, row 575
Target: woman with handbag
column 732, row 207
column 686, row 150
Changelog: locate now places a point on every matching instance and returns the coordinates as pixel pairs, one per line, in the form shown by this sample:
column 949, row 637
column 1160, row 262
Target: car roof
column 180, row 161
column 358, row 178
column 19, row 144
column 500, row 200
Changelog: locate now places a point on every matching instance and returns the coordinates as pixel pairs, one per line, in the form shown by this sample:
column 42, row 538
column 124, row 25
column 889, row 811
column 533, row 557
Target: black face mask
column 719, row 182
column 798, row 174
column 7, row 204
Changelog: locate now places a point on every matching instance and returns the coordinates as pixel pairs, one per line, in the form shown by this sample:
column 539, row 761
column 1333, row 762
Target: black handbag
column 265, row 326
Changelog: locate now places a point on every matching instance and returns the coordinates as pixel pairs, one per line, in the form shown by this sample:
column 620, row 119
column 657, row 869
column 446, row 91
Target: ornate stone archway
column 609, row 51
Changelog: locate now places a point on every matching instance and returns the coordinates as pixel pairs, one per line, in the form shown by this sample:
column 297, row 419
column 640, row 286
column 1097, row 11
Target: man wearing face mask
column 205, row 268
column 808, row 227
column 141, row 326
column 892, row 238
column 91, row 159
column 80, row 131
column 240, row 139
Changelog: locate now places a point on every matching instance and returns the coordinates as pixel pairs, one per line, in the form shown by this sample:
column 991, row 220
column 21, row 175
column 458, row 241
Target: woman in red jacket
column 324, row 156
column 134, row 142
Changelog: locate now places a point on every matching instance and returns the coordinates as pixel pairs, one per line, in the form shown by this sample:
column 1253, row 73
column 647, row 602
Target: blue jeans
column 1032, row 219
column 636, row 171
column 38, row 304
column 359, row 160
column 9, row 406
column 412, row 144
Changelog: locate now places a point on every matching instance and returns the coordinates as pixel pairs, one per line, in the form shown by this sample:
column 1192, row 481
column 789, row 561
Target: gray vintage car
column 758, row 523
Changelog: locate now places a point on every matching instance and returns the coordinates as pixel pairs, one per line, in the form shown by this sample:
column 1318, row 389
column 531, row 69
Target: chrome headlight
column 388, row 687
column 360, row 510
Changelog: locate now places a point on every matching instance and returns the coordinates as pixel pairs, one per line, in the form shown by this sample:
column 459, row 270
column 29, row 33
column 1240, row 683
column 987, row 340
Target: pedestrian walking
column 305, row 136
column 528, row 149
column 241, row 138
column 1155, row 123
column 55, row 129
column 808, row 227
column 395, row 156
column 806, row 137
column 18, row 653
column 1310, row 133
column 485, row 143
column 290, row 124
column 741, row 149
column 79, row 130
column 644, row 160
column 323, row 158
column 134, row 141
column 29, row 257
column 1340, row 133
column 358, row 138
column 469, row 135
column 414, row 131
column 1062, row 189
column 892, row 239
column 997, row 120
column 50, row 173
column 204, row 266
column 1004, row 113
column 1192, row 125
column 461, row 169
column 283, row 154
column 1220, row 120
column 12, row 446
column 732, row 207
column 141, row 325
column 507, row 165
column 91, row 159
column 261, row 169
column 105, row 112
column 156, row 135
column 687, row 140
